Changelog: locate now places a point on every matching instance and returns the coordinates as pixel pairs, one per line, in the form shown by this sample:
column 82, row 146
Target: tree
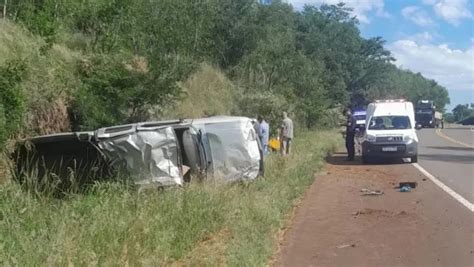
column 307, row 62
column 116, row 92
column 461, row 112
column 449, row 117
column 5, row 10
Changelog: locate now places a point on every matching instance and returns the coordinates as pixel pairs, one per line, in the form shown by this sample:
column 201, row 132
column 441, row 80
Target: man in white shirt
column 286, row 134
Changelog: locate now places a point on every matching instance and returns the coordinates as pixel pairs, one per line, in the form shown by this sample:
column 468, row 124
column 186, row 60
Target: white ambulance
column 390, row 131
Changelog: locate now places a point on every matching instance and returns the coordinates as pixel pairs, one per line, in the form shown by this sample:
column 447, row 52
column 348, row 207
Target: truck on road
column 427, row 116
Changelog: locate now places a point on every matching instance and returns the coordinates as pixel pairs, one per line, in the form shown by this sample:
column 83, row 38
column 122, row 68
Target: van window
column 389, row 122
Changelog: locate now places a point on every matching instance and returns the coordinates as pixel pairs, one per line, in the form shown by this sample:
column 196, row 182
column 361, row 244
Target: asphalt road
column 462, row 133
column 337, row 225
column 449, row 156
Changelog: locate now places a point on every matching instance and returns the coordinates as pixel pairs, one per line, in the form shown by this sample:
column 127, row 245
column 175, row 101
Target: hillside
column 69, row 65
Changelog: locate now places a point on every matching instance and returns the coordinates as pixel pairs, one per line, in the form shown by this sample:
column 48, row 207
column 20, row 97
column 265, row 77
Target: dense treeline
column 93, row 63
column 461, row 114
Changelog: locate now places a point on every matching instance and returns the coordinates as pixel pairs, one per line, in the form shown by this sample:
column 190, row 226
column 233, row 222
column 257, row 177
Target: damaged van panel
column 65, row 155
column 153, row 153
column 149, row 155
column 234, row 147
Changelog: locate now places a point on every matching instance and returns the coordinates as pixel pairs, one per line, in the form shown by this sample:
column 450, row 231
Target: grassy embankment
column 202, row 223
column 212, row 224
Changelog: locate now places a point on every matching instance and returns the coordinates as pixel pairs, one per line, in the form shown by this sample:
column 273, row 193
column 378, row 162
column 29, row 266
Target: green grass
column 200, row 224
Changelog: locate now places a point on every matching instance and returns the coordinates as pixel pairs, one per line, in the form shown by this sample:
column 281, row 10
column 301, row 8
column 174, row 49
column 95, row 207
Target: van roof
column 393, row 108
column 390, row 101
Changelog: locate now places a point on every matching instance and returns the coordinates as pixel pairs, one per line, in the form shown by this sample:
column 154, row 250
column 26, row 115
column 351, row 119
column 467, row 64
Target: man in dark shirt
column 350, row 134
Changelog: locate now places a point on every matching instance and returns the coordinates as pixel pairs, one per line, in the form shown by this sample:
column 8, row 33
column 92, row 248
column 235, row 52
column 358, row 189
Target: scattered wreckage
column 153, row 154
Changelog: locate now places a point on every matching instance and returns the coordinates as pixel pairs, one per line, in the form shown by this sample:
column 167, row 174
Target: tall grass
column 204, row 93
column 201, row 224
column 48, row 80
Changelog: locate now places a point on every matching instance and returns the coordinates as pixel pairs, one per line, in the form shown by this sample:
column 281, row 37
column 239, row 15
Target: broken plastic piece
column 409, row 184
column 367, row 192
column 346, row 246
column 405, row 188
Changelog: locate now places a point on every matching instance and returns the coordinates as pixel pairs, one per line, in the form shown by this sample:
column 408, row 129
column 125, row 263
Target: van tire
column 414, row 159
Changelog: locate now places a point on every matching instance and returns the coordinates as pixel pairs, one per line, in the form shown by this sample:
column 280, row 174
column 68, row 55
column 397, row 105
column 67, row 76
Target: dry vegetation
column 207, row 92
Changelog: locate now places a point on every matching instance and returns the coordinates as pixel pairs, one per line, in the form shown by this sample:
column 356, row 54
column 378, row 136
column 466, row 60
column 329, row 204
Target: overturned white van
column 159, row 153
column 390, row 131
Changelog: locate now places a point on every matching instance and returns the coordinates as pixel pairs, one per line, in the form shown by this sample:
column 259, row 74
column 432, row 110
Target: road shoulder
column 336, row 226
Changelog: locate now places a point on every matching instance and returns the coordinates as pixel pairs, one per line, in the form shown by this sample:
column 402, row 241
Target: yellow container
column 274, row 144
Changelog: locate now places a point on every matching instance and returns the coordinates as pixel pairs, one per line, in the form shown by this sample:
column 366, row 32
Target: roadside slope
column 425, row 227
column 200, row 224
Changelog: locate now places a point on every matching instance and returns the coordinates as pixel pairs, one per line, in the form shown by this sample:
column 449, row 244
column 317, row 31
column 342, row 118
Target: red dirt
column 336, row 226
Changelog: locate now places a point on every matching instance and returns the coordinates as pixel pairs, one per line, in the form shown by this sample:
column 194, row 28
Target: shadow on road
column 463, row 159
column 451, row 148
column 339, row 159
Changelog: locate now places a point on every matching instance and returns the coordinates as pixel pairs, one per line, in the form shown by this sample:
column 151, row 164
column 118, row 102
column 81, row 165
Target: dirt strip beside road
column 336, row 226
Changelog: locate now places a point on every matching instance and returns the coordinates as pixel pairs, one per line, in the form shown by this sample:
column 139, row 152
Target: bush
column 116, row 91
column 12, row 103
column 468, row 121
column 17, row 43
column 269, row 105
column 47, row 84
column 206, row 92
column 40, row 17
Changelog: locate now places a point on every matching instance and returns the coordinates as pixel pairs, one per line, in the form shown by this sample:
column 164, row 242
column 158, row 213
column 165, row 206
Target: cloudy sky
column 433, row 37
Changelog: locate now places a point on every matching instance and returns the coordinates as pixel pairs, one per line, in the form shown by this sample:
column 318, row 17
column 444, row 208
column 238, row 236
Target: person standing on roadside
column 256, row 127
column 264, row 133
column 286, row 134
column 350, row 134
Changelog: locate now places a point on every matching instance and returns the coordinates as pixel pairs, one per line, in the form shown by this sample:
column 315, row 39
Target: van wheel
column 414, row 159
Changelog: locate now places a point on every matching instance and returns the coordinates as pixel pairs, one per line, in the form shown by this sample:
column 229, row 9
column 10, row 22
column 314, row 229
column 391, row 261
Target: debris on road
column 368, row 192
column 346, row 246
column 335, row 214
column 375, row 212
column 405, row 188
column 410, row 184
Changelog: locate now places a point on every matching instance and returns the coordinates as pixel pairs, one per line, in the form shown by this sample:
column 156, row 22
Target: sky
column 433, row 37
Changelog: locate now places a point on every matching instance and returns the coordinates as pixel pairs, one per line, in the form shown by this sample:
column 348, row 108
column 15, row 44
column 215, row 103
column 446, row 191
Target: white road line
column 448, row 190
